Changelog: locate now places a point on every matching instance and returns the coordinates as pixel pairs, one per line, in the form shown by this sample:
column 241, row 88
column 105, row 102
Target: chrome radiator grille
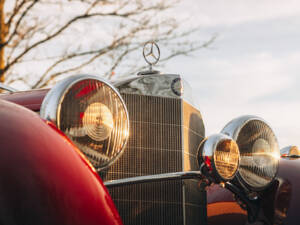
column 161, row 140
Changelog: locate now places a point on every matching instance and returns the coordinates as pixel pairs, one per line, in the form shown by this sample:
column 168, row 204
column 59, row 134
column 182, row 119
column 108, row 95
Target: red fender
column 221, row 206
column 43, row 177
column 286, row 198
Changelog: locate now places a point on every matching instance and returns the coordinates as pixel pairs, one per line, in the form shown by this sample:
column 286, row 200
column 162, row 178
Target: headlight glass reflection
column 259, row 154
column 226, row 158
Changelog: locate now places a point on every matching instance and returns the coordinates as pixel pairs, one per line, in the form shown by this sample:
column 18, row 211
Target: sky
column 251, row 69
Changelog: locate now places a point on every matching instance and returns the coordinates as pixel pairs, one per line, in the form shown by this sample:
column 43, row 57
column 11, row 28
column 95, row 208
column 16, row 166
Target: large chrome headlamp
column 219, row 155
column 92, row 114
column 259, row 151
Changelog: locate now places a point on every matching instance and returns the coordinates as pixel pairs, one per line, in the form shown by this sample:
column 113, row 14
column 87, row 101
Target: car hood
column 29, row 99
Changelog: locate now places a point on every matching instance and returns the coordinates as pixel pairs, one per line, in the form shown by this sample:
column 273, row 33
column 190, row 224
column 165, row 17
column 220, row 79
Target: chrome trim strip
column 7, row 88
column 154, row 178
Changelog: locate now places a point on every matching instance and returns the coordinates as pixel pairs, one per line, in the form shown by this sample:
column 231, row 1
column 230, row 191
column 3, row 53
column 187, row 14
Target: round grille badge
column 176, row 87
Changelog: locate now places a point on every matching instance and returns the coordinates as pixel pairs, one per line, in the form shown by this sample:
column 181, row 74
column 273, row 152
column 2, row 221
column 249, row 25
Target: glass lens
column 98, row 121
column 94, row 117
column 259, row 154
column 226, row 158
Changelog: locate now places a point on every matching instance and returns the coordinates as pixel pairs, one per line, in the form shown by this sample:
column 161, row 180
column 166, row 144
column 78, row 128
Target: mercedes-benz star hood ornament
column 151, row 55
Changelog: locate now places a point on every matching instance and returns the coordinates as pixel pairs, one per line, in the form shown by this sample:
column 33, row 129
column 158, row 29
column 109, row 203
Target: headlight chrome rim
column 233, row 129
column 52, row 102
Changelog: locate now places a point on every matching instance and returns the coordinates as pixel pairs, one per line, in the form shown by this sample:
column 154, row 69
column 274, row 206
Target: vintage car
column 135, row 152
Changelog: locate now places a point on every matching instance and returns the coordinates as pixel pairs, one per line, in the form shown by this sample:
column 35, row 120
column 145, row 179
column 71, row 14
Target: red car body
column 44, row 177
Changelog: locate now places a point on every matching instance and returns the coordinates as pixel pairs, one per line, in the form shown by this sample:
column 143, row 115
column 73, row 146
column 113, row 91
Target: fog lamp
column 92, row 114
column 219, row 155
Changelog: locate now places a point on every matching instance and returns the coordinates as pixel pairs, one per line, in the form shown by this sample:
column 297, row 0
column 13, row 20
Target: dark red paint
column 44, row 179
column 29, row 99
column 215, row 193
column 287, row 196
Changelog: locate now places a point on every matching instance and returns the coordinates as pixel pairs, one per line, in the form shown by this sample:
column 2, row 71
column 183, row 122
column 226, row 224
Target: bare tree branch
column 15, row 12
column 69, row 23
column 119, row 59
column 19, row 22
column 113, row 46
column 131, row 23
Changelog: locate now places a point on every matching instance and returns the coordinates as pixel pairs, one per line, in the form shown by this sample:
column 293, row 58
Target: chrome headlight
column 220, row 156
column 258, row 150
column 290, row 151
column 92, row 114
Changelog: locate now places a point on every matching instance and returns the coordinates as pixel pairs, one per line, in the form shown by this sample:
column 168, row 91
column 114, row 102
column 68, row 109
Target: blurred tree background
column 42, row 41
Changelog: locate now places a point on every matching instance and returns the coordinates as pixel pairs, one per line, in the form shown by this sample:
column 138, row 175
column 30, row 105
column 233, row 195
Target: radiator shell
column 165, row 132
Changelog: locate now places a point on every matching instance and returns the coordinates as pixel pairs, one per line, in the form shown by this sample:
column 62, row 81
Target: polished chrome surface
column 210, row 144
column 7, row 88
column 258, row 150
column 233, row 128
column 151, row 53
column 285, row 151
column 167, row 85
column 154, row 178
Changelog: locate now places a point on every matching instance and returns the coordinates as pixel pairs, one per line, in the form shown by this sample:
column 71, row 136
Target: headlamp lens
column 220, row 155
column 259, row 154
column 227, row 158
column 93, row 116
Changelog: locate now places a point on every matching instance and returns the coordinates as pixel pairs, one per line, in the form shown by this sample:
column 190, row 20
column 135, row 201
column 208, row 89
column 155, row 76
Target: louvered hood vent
column 165, row 131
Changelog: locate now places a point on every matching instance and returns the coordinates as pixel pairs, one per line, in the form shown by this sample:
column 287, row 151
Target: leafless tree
column 43, row 40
